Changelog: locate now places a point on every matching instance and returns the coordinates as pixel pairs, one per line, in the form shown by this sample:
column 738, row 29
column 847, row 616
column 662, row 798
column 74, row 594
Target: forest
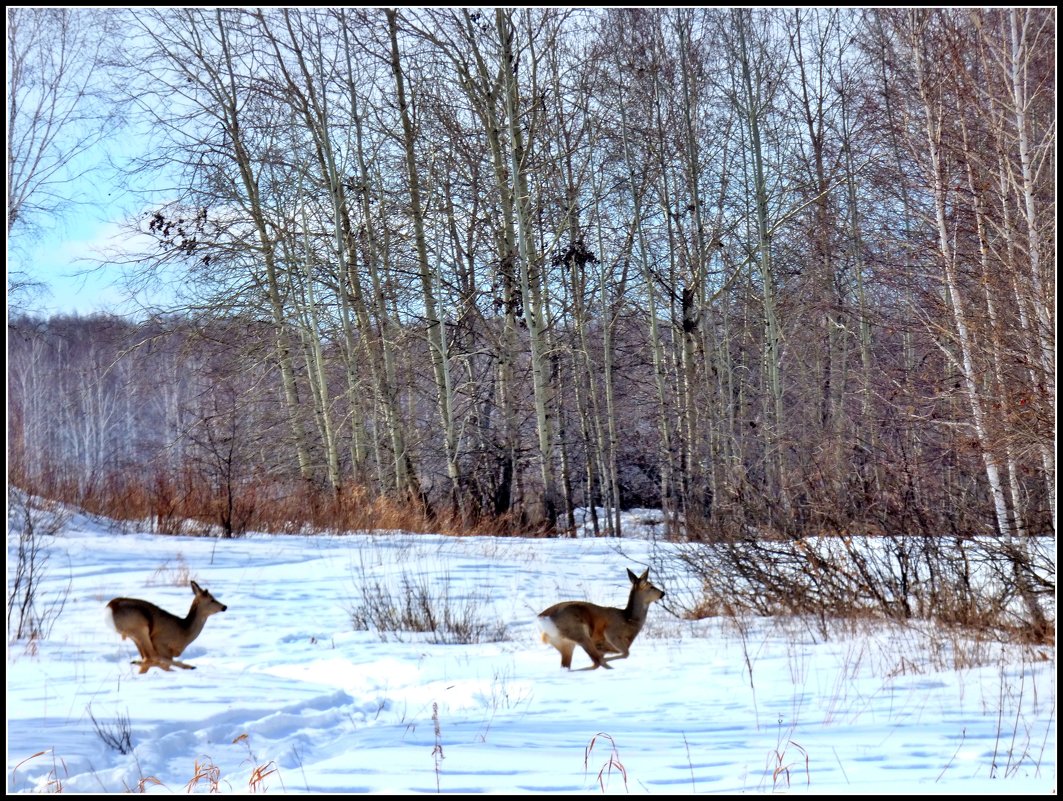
column 775, row 272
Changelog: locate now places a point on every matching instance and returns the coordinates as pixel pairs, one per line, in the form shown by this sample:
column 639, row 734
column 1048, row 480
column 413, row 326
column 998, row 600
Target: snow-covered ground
column 289, row 697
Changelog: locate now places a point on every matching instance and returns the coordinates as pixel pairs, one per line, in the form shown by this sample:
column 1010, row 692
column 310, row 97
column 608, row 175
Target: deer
column 599, row 630
column 160, row 636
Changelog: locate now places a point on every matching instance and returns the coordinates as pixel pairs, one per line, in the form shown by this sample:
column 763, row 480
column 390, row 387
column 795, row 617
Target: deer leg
column 142, row 640
column 620, row 653
column 566, row 653
column 596, row 656
column 167, row 662
column 148, row 664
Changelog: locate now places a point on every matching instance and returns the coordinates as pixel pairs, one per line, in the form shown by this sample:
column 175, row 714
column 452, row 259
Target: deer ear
column 645, row 575
column 632, row 576
column 196, row 588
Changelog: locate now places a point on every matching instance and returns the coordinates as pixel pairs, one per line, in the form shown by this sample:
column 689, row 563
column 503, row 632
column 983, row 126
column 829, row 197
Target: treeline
column 780, row 270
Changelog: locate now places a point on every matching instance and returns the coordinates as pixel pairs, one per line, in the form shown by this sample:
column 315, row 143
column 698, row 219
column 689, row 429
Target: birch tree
column 529, row 259
column 210, row 56
column 434, row 323
column 756, row 85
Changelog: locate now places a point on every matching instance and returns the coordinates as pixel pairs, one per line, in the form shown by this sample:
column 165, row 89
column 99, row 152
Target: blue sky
column 67, row 253
column 61, row 260
column 61, row 251
column 62, row 158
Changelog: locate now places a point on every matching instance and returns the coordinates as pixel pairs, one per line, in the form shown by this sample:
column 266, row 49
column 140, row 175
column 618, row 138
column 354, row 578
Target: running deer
column 599, row 630
column 160, row 636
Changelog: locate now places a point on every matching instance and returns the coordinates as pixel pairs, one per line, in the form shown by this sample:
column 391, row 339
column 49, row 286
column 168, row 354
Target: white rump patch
column 546, row 625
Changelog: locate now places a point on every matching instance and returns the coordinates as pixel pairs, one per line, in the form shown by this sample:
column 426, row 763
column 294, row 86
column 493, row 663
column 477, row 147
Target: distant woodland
column 775, row 272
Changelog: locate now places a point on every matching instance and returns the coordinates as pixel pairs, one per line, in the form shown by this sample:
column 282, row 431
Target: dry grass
column 184, row 503
column 206, row 775
column 612, row 762
column 782, row 763
column 422, row 606
column 437, row 750
column 54, row 781
column 172, row 574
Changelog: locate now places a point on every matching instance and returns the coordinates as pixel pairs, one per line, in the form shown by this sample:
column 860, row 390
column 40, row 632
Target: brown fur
column 599, row 630
column 160, row 636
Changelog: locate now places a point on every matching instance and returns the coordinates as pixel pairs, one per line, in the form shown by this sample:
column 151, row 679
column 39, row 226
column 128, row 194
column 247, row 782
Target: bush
column 419, row 608
column 32, row 522
column 990, row 584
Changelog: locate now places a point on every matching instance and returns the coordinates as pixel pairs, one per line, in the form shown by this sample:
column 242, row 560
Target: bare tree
column 434, row 323
column 61, row 107
column 526, row 260
column 208, row 58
